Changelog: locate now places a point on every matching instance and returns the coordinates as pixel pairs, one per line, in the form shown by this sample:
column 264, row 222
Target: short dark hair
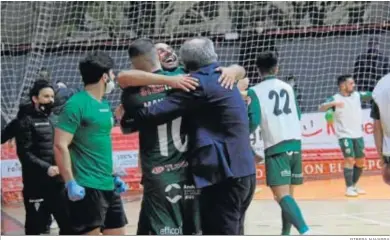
column 140, row 47
column 38, row 86
column 94, row 65
column 266, row 61
column 341, row 79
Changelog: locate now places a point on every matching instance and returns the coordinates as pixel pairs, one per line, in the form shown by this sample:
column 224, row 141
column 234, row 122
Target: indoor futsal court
column 323, row 51
column 323, row 204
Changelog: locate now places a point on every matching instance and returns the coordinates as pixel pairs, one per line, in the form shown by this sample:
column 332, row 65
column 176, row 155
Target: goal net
column 315, row 42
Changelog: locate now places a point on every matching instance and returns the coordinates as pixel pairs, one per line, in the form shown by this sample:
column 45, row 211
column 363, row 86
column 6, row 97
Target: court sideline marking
column 334, row 215
column 363, row 219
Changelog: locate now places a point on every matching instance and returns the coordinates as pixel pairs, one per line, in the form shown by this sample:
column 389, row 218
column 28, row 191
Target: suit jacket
column 217, row 124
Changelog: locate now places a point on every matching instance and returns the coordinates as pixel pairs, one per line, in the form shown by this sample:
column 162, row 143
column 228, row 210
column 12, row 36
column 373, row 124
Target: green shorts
column 284, row 169
column 172, row 210
column 352, row 147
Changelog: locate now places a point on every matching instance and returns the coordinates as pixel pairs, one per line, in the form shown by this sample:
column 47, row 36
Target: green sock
column 357, row 172
column 348, row 176
column 286, row 225
column 293, row 213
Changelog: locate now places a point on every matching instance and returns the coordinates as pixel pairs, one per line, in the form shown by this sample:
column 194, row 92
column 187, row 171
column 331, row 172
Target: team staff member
column 83, row 149
column 43, row 187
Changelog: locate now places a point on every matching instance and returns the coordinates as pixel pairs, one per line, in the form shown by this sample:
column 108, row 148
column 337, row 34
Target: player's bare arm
column 62, row 141
column 325, row 106
column 243, row 84
column 132, row 78
column 119, row 112
column 258, row 159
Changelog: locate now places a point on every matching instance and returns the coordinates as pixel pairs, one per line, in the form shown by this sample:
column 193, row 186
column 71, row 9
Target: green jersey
column 174, row 72
column 90, row 121
column 162, row 147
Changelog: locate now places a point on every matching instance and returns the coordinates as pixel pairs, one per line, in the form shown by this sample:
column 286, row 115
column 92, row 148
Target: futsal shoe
column 351, row 192
column 359, row 190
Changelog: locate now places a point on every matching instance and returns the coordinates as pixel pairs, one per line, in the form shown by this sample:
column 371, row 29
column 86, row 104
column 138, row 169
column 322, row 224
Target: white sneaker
column 351, row 192
column 359, row 191
column 54, row 224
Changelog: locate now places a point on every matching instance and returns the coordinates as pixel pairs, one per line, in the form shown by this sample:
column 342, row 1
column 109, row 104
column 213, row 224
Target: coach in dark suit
column 220, row 155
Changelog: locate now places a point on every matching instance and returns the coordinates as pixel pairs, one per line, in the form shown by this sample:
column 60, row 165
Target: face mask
column 110, row 85
column 46, row 108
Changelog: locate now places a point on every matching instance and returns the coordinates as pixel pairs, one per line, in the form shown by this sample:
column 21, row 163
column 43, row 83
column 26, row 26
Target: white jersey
column 381, row 96
column 348, row 119
column 279, row 113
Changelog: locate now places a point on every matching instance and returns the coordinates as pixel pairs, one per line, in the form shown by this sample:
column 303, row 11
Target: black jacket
column 9, row 131
column 34, row 142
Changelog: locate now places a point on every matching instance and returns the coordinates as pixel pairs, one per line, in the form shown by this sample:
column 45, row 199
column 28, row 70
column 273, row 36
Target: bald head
column 198, row 52
column 167, row 56
column 162, row 45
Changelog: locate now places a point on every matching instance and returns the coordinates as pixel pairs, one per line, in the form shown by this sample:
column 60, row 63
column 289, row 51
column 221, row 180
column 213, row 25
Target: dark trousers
column 48, row 225
column 40, row 205
column 223, row 206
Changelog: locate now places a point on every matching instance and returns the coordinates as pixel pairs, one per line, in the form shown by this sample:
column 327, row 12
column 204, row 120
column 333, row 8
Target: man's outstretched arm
column 133, row 78
column 330, row 103
column 175, row 105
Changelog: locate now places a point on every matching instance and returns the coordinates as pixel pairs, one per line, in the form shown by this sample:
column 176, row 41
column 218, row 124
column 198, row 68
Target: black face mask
column 46, row 108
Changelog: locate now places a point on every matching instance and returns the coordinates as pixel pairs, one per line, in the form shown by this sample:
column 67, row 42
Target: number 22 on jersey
column 164, row 139
column 282, row 94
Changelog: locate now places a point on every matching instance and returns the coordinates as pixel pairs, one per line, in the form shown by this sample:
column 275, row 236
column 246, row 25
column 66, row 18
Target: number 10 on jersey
column 175, row 137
